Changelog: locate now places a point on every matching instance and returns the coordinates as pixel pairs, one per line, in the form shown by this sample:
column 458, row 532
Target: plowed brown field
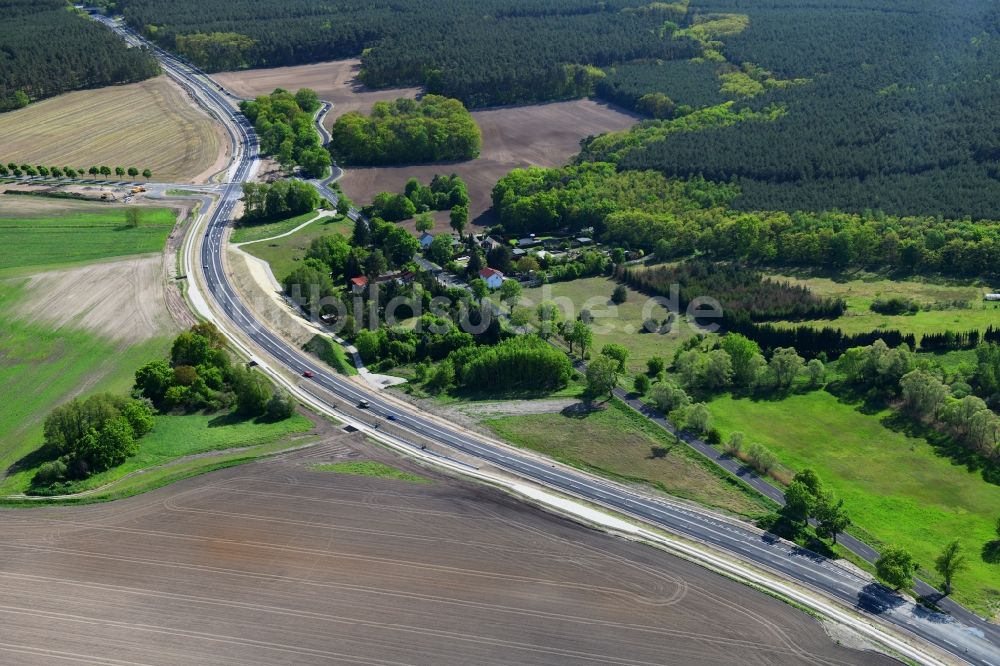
column 273, row 563
column 333, row 81
column 536, row 135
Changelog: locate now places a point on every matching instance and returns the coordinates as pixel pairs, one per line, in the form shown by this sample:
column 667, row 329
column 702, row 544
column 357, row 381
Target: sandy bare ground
column 538, row 135
column 21, row 206
column 272, row 562
column 123, row 300
column 152, row 124
column 253, row 280
column 333, row 81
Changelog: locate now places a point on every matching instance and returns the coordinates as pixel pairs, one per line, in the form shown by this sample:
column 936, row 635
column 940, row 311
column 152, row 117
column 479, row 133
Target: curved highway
column 967, row 643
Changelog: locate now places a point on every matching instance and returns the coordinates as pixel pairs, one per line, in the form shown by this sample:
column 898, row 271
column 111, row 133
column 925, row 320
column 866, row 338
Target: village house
column 492, row 277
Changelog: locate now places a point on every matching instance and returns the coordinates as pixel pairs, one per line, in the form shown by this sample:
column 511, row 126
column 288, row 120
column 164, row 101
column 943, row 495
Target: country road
column 970, row 639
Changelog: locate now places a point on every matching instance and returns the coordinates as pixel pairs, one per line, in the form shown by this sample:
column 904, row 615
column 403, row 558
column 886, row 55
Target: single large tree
column 745, row 356
column 510, row 292
column 424, row 222
column 785, row 366
column 799, row 502
column 698, row 419
column 459, row 217
column 950, row 562
column 344, row 205
column 811, row 480
column 831, row 517
column 896, row 567
column 602, row 376
column 617, row 352
column 580, row 334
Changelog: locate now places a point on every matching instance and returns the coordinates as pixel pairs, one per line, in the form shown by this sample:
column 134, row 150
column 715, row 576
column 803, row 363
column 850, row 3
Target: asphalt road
column 964, row 640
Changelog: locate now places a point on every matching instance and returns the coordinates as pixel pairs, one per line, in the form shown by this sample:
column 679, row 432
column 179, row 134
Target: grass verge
column 368, row 468
column 256, row 232
column 618, row 443
column 330, row 353
column 177, row 436
column 284, row 254
column 161, row 476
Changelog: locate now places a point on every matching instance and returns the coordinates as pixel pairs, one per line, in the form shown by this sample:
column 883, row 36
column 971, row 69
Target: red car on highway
column 309, row 374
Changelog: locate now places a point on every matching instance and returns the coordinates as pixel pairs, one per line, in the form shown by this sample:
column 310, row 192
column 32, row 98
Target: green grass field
column 368, row 468
column 41, row 367
column 78, row 237
column 172, row 471
column 255, row 232
column 620, row 444
column 860, row 290
column 896, row 487
column 623, row 323
column 283, row 254
column 175, row 436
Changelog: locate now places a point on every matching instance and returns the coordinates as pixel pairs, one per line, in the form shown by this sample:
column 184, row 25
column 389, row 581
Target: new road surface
column 970, row 641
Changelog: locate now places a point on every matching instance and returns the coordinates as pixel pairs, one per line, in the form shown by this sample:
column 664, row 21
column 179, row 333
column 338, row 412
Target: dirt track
column 272, row 563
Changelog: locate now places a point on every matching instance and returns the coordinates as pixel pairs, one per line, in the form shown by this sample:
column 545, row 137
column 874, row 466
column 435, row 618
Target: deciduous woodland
column 85, row 54
column 406, row 131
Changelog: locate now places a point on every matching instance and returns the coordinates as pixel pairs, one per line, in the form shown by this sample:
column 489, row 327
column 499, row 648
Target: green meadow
column 898, row 487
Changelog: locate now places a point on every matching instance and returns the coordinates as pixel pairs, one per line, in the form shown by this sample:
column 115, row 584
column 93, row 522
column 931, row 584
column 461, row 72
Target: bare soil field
column 272, row 562
column 153, row 124
column 124, row 300
column 537, row 135
column 333, row 81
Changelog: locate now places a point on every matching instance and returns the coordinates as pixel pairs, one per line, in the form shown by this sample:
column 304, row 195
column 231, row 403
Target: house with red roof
column 492, row 277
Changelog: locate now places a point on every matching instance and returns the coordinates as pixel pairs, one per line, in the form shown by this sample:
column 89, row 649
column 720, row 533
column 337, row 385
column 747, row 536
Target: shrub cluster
column 86, row 436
